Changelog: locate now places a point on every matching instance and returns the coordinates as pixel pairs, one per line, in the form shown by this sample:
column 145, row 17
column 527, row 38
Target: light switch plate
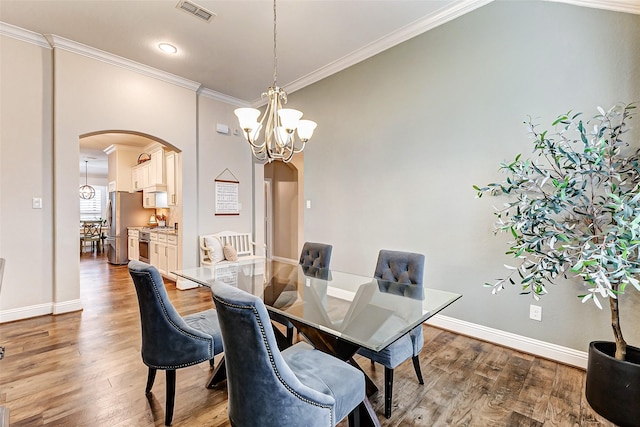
column 220, row 128
column 36, row 203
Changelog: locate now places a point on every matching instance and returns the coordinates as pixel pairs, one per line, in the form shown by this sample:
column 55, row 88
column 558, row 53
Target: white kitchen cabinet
column 154, row 250
column 133, row 246
column 156, row 168
column 164, row 253
column 154, row 200
column 172, row 260
column 120, row 159
column 150, row 174
column 170, row 175
column 140, row 176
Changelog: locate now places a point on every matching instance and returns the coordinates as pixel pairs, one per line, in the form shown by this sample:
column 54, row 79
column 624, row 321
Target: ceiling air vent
column 195, row 10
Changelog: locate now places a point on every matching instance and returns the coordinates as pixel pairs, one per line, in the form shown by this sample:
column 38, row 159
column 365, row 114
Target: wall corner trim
column 93, row 53
column 208, row 93
column 544, row 349
column 23, row 35
column 626, row 6
column 422, row 25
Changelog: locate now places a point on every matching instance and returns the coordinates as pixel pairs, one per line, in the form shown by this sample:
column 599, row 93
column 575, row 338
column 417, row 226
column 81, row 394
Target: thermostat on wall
column 220, row 128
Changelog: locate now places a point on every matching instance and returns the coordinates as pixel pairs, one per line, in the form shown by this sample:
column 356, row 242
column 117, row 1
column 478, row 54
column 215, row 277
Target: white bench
column 241, row 242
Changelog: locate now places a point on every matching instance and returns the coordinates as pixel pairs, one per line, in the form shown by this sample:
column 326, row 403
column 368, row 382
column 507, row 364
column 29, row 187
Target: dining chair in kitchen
column 170, row 341
column 403, row 268
column 90, row 234
column 299, row 386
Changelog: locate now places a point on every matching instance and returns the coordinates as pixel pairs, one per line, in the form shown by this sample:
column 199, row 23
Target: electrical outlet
column 535, row 312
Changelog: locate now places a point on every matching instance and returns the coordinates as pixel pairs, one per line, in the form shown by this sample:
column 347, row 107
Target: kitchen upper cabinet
column 171, row 169
column 140, row 177
column 120, row 159
column 156, row 168
column 150, row 174
column 154, row 200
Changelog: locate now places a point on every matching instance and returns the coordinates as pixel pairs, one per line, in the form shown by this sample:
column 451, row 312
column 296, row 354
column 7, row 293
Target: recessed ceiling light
column 168, row 48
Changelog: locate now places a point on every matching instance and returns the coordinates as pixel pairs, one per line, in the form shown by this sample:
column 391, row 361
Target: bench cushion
column 230, row 254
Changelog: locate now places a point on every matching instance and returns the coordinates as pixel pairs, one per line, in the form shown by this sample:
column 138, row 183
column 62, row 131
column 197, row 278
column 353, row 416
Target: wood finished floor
column 85, row 369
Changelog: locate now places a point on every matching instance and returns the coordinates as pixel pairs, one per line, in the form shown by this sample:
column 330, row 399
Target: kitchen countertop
column 163, row 230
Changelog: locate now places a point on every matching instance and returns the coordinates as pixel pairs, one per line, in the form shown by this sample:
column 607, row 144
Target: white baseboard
column 544, row 349
column 39, row 310
column 285, row 260
column 67, row 306
column 25, row 312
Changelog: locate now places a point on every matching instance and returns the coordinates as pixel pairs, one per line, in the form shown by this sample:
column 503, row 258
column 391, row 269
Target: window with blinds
column 91, row 209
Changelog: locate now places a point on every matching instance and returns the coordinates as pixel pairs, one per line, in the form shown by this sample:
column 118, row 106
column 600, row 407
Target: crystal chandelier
column 86, row 191
column 279, row 142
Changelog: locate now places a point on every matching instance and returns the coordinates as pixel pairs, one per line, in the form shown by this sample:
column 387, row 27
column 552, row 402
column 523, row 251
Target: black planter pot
column 613, row 386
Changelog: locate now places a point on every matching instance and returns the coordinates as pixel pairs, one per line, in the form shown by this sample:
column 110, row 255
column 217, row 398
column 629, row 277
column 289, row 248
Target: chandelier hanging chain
column 277, row 124
column 275, row 51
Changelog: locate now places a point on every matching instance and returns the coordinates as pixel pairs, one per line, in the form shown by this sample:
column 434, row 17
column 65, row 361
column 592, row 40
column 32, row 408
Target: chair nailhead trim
column 273, row 365
column 181, row 331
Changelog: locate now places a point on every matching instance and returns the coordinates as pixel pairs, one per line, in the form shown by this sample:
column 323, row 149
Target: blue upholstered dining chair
column 315, row 258
column 406, row 268
column 316, row 255
column 299, row 386
column 170, row 341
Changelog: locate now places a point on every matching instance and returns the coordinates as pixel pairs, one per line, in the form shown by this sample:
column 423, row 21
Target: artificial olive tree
column 573, row 209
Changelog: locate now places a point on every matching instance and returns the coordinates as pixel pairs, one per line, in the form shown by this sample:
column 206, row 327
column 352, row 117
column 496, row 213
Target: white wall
column 403, row 136
column 90, row 95
column 218, row 152
column 26, row 236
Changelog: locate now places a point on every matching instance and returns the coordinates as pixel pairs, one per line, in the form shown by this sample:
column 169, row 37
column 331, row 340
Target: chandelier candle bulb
column 289, row 118
column 305, row 129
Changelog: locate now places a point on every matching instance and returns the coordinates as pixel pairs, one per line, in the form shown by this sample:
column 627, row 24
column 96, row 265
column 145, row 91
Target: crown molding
column 58, row 42
column 23, row 35
column 208, row 93
column 403, row 34
column 626, row 6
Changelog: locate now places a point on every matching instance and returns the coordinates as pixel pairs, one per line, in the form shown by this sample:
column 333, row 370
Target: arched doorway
column 115, row 154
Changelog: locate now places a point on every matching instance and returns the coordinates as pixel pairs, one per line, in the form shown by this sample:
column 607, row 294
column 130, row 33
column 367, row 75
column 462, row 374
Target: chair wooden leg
column 388, row 391
column 354, row 417
column 416, row 366
column 171, row 395
column 150, row 379
column 290, row 334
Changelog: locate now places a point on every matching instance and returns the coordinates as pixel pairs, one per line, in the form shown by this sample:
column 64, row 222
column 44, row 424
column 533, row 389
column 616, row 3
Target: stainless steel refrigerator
column 123, row 210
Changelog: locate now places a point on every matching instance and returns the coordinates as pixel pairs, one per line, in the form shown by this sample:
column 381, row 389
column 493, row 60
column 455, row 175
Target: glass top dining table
column 359, row 310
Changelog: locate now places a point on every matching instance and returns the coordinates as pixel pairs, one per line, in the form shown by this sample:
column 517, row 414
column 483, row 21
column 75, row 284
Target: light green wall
column 403, row 136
